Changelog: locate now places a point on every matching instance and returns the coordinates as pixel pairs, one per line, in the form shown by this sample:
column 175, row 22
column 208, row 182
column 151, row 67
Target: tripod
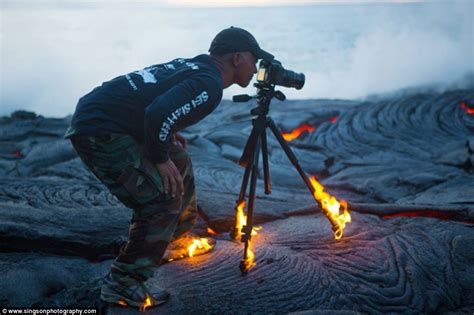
column 257, row 142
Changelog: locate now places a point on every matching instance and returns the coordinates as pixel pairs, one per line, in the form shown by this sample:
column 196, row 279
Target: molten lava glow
column 443, row 215
column 198, row 244
column 146, row 304
column 332, row 208
column 249, row 262
column 297, row 132
column 18, row 154
column 211, row 231
column 122, row 302
column 468, row 110
column 432, row 214
column 333, row 119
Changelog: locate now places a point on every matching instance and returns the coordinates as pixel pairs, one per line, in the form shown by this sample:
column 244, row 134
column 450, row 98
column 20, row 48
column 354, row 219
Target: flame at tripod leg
column 240, row 219
column 249, row 262
column 332, row 208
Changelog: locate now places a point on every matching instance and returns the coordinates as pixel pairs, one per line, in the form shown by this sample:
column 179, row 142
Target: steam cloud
column 50, row 57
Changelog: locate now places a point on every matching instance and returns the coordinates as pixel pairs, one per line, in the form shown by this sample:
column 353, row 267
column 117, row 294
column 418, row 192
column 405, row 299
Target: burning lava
column 200, row 243
column 467, row 108
column 331, row 208
column 211, row 231
column 297, row 132
column 122, row 302
column 190, row 247
column 146, row 304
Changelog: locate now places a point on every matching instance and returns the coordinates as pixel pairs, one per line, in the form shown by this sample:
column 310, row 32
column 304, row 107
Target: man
column 125, row 133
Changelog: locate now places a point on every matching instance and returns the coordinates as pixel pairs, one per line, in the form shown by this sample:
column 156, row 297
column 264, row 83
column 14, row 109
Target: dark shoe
column 188, row 245
column 134, row 293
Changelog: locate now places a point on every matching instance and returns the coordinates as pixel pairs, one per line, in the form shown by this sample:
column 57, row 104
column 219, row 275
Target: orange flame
column 241, row 221
column 331, row 208
column 297, row 132
column 146, row 304
column 249, row 262
column 211, row 231
column 468, row 110
column 198, row 244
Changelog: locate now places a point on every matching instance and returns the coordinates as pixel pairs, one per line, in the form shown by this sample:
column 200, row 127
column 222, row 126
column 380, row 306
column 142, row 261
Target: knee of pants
column 159, row 209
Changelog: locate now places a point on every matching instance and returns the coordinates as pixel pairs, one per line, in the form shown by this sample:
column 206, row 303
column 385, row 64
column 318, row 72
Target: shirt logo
column 181, row 111
column 189, row 64
column 147, row 75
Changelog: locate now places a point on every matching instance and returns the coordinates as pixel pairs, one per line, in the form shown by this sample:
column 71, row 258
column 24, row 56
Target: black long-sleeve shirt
column 151, row 103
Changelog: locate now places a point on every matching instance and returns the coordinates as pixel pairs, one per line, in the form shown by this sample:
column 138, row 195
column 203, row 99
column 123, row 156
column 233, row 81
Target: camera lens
column 293, row 79
column 287, row 78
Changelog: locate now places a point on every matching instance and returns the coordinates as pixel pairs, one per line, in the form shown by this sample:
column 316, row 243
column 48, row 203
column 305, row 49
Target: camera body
column 272, row 72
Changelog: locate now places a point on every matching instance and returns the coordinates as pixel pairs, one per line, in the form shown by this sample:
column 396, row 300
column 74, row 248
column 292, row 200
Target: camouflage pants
column 117, row 161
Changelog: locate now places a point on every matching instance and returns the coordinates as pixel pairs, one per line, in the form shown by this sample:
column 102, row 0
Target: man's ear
column 236, row 59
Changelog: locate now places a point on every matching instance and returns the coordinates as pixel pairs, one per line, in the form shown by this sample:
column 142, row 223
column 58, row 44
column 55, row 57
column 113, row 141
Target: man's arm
column 182, row 105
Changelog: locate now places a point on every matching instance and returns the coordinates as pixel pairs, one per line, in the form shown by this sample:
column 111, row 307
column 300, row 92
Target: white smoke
column 435, row 48
column 50, row 57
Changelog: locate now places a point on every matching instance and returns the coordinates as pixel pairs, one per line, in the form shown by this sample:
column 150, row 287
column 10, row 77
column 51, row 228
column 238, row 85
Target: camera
column 272, row 72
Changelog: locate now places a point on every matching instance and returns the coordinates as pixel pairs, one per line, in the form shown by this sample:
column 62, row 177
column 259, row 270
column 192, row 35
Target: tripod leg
column 245, row 181
column 250, row 145
column 235, row 231
column 253, row 188
column 266, row 169
column 247, row 161
column 338, row 221
column 247, row 261
column 290, row 154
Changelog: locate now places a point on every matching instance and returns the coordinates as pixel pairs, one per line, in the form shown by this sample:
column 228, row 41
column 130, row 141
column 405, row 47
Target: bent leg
column 188, row 215
column 118, row 162
column 151, row 231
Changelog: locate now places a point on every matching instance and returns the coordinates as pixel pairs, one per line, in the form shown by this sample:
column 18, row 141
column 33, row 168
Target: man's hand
column 171, row 178
column 176, row 137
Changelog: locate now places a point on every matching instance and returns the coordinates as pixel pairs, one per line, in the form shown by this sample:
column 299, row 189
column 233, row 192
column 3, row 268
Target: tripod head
column 265, row 93
column 270, row 74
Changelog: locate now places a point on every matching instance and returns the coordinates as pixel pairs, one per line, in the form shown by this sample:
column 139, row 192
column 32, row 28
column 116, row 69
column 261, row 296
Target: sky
column 55, row 51
column 215, row 3
column 239, row 3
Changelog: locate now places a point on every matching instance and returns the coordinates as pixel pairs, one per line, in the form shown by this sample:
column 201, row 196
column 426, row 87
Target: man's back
column 120, row 105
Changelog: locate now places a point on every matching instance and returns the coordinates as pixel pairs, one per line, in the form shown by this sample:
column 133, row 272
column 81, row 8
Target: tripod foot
column 243, row 268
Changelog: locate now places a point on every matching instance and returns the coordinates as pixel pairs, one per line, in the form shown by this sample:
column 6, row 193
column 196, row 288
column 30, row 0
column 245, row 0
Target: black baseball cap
column 235, row 39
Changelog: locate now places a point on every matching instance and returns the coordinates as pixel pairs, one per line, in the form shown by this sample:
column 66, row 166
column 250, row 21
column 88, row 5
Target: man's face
column 246, row 67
